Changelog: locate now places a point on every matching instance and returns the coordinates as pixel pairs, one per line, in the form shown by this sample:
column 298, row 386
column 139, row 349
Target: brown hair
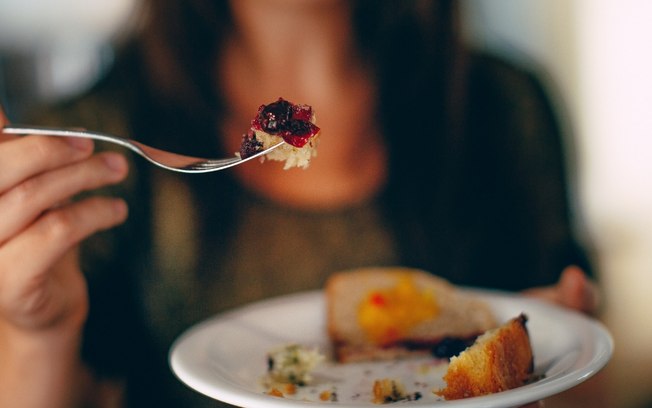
column 413, row 46
column 179, row 41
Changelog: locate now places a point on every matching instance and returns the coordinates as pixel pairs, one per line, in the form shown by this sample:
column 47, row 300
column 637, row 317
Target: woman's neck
column 304, row 52
column 292, row 42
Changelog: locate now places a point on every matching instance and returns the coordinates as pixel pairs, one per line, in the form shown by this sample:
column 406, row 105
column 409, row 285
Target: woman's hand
column 41, row 226
column 43, row 296
column 574, row 290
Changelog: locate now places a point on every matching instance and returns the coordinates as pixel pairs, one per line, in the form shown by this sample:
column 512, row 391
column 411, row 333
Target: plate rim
column 602, row 343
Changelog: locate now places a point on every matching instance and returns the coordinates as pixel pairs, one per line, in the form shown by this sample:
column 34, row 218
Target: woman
column 431, row 157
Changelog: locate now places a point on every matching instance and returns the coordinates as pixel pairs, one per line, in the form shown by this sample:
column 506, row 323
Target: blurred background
column 598, row 62
column 594, row 55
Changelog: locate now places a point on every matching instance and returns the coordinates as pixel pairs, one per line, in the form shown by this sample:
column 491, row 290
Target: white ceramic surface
column 225, row 357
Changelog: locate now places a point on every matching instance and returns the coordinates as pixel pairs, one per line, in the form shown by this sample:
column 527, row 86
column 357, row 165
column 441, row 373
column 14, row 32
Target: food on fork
column 387, row 313
column 499, row 360
column 283, row 121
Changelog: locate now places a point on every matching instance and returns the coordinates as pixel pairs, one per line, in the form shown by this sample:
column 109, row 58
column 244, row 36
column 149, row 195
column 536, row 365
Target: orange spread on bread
column 385, row 315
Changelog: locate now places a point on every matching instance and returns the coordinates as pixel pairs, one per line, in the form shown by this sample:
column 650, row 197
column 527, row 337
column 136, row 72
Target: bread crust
column 500, row 360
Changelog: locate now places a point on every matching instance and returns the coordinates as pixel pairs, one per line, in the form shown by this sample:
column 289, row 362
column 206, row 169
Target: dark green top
column 196, row 245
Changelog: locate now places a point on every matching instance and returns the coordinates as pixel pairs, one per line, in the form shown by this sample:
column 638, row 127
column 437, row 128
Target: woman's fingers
column 577, row 292
column 57, row 231
column 27, row 200
column 32, row 155
column 40, row 285
column 40, row 226
column 573, row 290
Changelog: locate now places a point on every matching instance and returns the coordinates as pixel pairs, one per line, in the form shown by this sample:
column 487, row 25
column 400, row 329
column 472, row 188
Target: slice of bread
column 385, row 313
column 499, row 360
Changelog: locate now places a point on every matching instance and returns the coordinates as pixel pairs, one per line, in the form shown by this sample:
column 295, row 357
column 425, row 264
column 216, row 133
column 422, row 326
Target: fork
column 167, row 160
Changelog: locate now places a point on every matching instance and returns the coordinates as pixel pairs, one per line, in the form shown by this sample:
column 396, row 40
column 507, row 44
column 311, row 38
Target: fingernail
column 115, row 162
column 80, row 143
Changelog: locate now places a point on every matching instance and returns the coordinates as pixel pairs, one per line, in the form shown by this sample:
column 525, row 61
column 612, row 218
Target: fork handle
column 18, row 129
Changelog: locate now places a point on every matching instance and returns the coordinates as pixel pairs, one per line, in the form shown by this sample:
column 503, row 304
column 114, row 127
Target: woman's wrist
column 41, row 368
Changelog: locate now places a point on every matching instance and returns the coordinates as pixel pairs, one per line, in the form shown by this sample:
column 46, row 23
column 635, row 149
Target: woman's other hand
column 574, row 290
column 43, row 296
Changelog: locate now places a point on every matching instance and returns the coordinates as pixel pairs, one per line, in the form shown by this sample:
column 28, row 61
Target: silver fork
column 167, row 160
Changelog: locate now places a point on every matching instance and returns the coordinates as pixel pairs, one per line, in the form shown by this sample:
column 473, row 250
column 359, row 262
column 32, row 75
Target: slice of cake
column 499, row 360
column 283, row 121
column 386, row 313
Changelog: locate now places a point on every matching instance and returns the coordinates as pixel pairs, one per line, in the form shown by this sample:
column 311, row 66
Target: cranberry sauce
column 451, row 346
column 445, row 347
column 287, row 120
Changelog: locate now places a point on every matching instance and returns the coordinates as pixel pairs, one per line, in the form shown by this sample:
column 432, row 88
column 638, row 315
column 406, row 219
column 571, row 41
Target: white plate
column 225, row 357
